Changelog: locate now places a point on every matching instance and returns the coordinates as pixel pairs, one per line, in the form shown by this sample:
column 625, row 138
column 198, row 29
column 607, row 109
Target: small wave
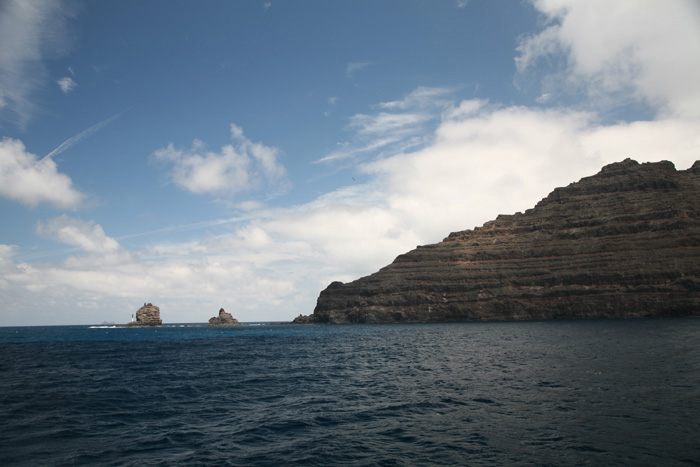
column 348, row 395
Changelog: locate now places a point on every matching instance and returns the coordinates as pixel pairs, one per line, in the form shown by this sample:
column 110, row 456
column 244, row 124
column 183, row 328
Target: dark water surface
column 617, row 392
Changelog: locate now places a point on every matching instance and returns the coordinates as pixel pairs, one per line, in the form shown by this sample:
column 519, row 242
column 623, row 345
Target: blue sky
column 244, row 154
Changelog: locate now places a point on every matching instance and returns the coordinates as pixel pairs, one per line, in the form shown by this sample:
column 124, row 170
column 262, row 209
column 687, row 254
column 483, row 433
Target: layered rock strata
column 147, row 315
column 622, row 243
column 224, row 319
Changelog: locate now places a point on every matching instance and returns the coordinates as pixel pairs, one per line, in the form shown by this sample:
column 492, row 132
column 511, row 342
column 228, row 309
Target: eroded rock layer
column 622, row 243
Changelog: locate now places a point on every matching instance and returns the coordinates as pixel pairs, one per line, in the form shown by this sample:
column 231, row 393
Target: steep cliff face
column 622, row 243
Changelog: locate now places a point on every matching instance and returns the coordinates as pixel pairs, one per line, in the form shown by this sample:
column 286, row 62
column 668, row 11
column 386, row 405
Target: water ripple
column 482, row 394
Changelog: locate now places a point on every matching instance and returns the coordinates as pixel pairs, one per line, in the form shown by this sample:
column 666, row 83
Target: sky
column 244, row 154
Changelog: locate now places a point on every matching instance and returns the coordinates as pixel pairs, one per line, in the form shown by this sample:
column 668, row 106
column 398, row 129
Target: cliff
column 147, row 315
column 622, row 243
column 224, row 319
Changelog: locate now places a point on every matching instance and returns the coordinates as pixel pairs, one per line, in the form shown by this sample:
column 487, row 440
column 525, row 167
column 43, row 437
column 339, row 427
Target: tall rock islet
column 622, row 243
column 147, row 315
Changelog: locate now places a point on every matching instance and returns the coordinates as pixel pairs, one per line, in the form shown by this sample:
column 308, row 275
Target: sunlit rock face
column 622, row 243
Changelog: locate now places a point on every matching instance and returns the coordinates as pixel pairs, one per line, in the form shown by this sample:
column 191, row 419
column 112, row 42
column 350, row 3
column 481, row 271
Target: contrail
column 195, row 226
column 82, row 135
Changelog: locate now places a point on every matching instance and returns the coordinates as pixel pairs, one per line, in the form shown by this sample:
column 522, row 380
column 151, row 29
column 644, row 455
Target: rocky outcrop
column 622, row 243
column 147, row 315
column 224, row 319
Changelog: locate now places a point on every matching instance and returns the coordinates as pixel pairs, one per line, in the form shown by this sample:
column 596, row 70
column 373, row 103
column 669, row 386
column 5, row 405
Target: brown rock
column 622, row 243
column 147, row 315
column 224, row 319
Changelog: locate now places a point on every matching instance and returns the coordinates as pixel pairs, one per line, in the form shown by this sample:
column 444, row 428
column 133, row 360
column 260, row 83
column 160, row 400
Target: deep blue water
column 564, row 393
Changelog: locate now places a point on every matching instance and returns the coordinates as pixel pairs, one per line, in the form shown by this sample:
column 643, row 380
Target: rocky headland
column 622, row 243
column 147, row 315
column 224, row 319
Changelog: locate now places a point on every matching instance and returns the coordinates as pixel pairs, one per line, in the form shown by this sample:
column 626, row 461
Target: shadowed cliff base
column 622, row 243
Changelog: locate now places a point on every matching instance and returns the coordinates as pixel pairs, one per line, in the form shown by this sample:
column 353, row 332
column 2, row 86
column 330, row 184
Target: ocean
column 540, row 393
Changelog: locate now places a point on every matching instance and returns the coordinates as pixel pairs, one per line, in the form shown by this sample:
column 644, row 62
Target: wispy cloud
column 394, row 126
column 422, row 98
column 349, row 151
column 384, row 123
column 66, row 84
column 29, row 33
column 82, row 135
column 354, row 67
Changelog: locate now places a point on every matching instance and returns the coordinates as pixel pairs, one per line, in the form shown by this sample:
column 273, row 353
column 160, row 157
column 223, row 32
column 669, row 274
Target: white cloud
column 646, row 49
column 85, row 235
column 30, row 32
column 29, row 181
column 462, row 3
column 99, row 252
column 66, row 84
column 243, row 167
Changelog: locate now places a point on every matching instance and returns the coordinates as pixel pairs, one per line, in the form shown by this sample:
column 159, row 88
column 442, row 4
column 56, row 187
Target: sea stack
column 622, row 243
column 224, row 319
column 147, row 315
